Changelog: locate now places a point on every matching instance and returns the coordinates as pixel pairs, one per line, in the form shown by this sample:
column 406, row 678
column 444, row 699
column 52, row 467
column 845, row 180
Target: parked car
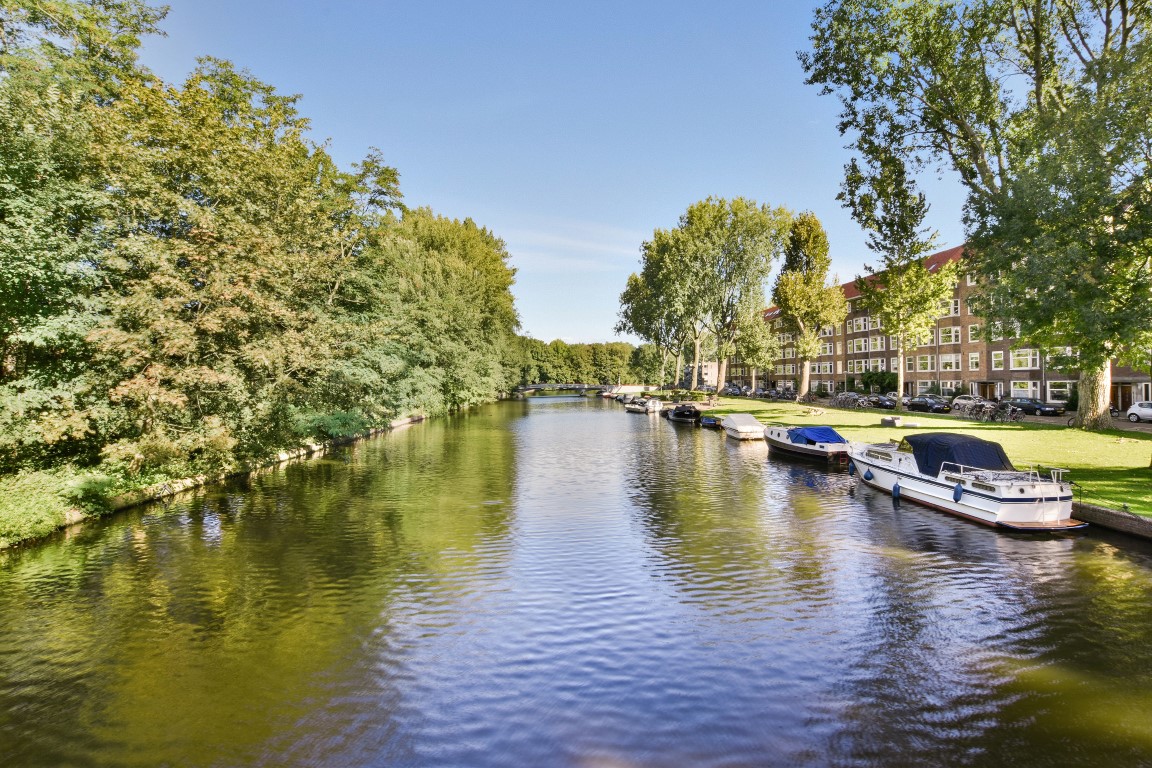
column 929, row 404
column 966, row 400
column 1140, row 412
column 1035, row 407
column 881, row 401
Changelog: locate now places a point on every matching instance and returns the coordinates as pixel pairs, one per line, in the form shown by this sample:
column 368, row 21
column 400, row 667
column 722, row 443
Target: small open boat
column 743, row 426
column 685, row 413
column 820, row 443
column 969, row 477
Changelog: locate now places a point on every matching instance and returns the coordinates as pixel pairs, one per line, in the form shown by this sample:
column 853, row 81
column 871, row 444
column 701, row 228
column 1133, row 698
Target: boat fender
column 957, row 492
column 896, row 491
column 851, row 468
column 868, row 474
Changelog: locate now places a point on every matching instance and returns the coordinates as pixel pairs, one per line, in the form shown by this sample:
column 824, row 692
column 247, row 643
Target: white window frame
column 1023, row 388
column 1032, row 362
column 949, row 361
column 953, row 334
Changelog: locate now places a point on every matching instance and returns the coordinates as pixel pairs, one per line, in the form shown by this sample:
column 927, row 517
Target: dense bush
column 189, row 284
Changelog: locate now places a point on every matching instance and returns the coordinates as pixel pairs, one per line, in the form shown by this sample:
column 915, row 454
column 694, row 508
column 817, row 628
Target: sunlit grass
column 1111, row 467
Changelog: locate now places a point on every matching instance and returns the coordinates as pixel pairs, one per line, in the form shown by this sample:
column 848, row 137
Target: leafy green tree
column 756, row 344
column 904, row 293
column 731, row 246
column 646, row 364
column 802, row 292
column 664, row 304
column 1041, row 109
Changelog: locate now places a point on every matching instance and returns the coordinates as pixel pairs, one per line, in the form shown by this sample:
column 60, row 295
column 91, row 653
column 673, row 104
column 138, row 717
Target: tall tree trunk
column 679, row 365
column 721, row 373
column 1095, row 394
column 696, row 362
column 663, row 365
column 753, row 379
column 900, row 377
column 805, row 378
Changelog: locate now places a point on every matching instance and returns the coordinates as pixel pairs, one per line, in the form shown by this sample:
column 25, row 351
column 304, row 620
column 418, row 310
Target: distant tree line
column 188, row 283
column 557, row 362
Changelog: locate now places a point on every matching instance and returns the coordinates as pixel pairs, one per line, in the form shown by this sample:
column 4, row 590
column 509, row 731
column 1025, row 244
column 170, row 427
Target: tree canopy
column 189, row 283
column 808, row 302
column 1041, row 109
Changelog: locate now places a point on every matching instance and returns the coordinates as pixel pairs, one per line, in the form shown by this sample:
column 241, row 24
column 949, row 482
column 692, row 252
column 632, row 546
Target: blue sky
column 571, row 130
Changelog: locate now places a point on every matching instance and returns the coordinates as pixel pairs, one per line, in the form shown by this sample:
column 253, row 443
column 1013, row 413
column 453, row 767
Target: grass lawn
column 1111, row 468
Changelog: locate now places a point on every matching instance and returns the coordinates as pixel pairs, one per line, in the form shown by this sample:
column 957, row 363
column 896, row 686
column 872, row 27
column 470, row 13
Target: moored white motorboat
column 820, row 443
column 743, row 426
column 644, row 405
column 967, row 476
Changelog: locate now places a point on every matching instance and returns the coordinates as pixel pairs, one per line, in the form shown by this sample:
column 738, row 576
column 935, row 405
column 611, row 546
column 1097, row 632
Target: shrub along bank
column 190, row 285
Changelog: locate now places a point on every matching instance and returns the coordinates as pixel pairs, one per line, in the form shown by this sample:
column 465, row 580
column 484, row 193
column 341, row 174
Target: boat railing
column 992, row 475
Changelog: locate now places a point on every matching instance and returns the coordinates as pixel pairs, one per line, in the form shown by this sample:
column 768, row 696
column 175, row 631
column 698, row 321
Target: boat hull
column 778, row 442
column 1032, row 504
column 743, row 434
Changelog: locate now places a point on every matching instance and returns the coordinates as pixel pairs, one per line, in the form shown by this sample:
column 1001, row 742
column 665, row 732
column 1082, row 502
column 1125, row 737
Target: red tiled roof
column 851, row 291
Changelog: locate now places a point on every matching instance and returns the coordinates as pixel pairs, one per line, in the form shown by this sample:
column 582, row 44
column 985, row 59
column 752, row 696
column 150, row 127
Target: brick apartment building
column 956, row 358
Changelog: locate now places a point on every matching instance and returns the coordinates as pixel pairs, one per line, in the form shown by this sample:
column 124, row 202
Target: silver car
column 1140, row 412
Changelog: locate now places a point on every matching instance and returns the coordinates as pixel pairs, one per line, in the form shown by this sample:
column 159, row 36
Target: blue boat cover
column 935, row 448
column 813, row 435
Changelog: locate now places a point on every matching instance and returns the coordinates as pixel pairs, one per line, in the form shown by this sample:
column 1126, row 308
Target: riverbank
column 1110, row 468
column 37, row 504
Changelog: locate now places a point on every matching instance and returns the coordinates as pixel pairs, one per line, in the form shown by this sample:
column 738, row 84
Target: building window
column 826, row 348
column 859, row 324
column 877, row 343
column 1024, row 389
column 950, row 362
column 1059, row 391
column 893, row 364
column 950, row 308
column 1025, row 359
column 875, row 363
column 950, row 334
column 951, row 386
column 923, row 386
column 974, row 333
column 995, row 332
column 925, row 363
column 997, row 361
column 910, row 364
column 874, row 323
column 789, row 352
column 929, row 339
column 973, row 361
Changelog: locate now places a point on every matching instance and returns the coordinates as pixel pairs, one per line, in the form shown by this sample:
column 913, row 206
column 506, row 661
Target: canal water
column 554, row 582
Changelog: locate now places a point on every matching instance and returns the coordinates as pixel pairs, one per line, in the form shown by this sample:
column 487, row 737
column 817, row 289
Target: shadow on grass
column 1113, row 486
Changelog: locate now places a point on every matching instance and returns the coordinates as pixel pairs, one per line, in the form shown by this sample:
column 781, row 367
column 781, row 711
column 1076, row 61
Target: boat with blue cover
column 820, row 443
column 969, row 477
